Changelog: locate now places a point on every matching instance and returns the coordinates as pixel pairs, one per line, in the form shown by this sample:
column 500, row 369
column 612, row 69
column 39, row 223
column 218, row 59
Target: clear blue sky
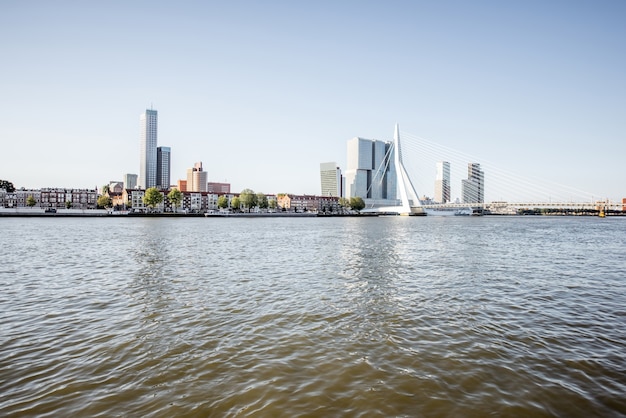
column 263, row 92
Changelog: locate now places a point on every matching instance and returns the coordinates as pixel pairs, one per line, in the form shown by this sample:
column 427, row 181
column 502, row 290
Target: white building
column 197, row 179
column 148, row 149
column 330, row 176
column 370, row 172
column 442, row 182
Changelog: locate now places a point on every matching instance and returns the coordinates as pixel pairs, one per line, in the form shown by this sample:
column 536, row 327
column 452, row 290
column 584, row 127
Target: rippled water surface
column 390, row 316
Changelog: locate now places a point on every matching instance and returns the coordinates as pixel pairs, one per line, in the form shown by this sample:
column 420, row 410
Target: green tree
column 31, row 201
column 235, row 203
column 68, row 204
column 176, row 197
column 356, row 203
column 343, row 204
column 105, row 189
column 272, row 204
column 152, row 197
column 104, row 201
column 222, row 202
column 261, row 201
column 7, row 185
column 248, row 199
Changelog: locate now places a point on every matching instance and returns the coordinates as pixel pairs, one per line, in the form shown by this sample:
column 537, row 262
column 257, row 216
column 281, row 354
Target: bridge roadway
column 530, row 205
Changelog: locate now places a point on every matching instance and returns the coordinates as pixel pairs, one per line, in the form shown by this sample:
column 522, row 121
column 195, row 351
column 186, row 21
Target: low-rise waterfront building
column 307, row 203
column 51, row 198
column 191, row 202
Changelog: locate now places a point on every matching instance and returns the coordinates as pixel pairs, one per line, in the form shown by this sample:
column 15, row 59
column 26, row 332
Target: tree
column 356, row 203
column 105, row 189
column 222, row 202
column 235, row 203
column 7, row 185
column 104, row 201
column 68, row 204
column 248, row 199
column 272, row 204
column 152, row 197
column 175, row 196
column 261, row 200
column 31, row 201
column 343, row 203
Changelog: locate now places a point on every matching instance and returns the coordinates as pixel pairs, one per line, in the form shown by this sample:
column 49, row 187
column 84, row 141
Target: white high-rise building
column 473, row 188
column 330, row 176
column 148, row 149
column 163, row 167
column 370, row 172
column 442, row 182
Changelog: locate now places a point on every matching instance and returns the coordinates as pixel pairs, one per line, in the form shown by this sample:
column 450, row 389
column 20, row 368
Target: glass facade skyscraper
column 330, row 176
column 148, row 149
column 442, row 182
column 163, row 167
column 474, row 186
column 370, row 172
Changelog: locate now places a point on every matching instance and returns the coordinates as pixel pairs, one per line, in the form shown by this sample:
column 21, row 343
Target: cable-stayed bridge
column 418, row 156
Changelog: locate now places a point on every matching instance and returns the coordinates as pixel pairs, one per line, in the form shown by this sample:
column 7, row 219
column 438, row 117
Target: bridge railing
column 531, row 205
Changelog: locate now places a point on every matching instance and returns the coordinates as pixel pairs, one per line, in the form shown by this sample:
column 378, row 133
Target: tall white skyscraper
column 163, row 167
column 370, row 172
column 148, row 149
column 474, row 186
column 330, row 176
column 442, row 182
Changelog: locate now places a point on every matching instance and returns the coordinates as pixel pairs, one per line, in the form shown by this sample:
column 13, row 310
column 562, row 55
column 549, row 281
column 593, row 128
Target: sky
column 262, row 92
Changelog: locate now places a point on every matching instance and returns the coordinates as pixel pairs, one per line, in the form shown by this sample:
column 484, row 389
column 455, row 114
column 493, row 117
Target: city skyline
column 261, row 95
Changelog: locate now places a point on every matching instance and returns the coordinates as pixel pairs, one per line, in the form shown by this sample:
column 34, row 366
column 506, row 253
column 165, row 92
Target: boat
column 449, row 211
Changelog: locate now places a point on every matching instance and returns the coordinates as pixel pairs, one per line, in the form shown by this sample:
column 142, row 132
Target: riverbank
column 28, row 212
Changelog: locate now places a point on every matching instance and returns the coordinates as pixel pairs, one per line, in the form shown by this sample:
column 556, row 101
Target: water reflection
column 315, row 317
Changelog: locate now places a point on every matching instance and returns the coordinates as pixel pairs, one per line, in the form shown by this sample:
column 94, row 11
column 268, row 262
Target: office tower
column 130, row 181
column 370, row 172
column 148, row 149
column 196, row 178
column 442, row 182
column 473, row 188
column 330, row 176
column 163, row 167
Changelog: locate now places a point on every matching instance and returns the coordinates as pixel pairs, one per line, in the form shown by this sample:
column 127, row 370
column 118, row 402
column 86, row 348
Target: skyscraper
column 442, row 182
column 163, row 167
column 370, row 172
column 130, row 181
column 473, row 188
column 330, row 176
column 148, row 149
column 196, row 178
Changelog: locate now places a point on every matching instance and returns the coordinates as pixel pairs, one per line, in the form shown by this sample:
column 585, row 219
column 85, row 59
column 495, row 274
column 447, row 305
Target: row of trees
column 247, row 199
column 7, row 185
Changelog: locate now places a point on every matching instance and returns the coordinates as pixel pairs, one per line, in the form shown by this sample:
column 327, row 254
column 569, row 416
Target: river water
column 313, row 317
